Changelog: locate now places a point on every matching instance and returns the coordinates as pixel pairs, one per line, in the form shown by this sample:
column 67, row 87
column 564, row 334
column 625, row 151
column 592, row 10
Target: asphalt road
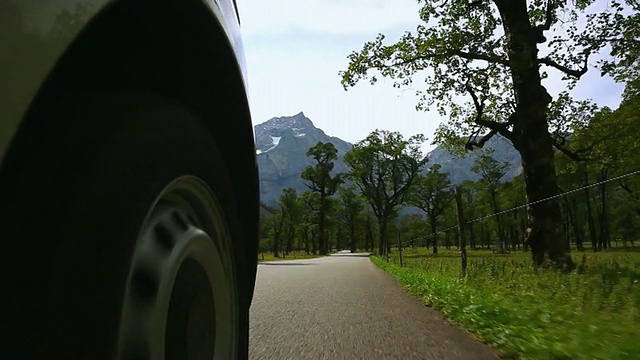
column 343, row 307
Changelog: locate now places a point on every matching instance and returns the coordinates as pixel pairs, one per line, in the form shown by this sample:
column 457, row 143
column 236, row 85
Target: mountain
column 282, row 144
column 281, row 148
column 459, row 168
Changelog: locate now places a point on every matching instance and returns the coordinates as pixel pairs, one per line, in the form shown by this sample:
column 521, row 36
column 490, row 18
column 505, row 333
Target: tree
column 607, row 150
column 320, row 181
column 513, row 197
column 491, row 173
column 413, row 228
column 432, row 194
column 488, row 52
column 385, row 166
column 266, row 225
column 349, row 207
column 621, row 32
column 276, row 229
column 291, row 210
column 469, row 199
column 369, row 242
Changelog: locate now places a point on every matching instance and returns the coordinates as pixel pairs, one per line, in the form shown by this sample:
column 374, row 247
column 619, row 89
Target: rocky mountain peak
column 282, row 144
column 281, row 148
column 271, row 132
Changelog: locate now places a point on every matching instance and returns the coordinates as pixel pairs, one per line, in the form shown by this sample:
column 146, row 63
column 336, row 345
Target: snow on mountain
column 282, row 144
column 281, row 148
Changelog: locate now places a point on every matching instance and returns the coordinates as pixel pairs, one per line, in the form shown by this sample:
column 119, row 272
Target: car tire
column 119, row 236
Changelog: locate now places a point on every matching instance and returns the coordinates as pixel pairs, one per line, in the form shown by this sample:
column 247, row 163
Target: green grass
column 593, row 313
column 295, row 255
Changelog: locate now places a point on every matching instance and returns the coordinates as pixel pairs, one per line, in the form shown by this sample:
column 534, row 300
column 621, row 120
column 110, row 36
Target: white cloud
column 326, row 16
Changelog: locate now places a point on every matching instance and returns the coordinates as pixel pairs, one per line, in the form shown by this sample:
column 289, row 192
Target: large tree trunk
column 531, row 136
column 543, row 237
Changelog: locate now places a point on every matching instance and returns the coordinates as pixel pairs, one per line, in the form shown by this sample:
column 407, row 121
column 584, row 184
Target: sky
column 294, row 50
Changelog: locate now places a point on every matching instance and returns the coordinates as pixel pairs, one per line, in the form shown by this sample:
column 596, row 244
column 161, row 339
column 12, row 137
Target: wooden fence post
column 461, row 239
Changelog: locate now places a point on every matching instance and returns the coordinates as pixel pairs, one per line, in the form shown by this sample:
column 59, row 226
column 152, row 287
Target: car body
column 27, row 22
column 189, row 51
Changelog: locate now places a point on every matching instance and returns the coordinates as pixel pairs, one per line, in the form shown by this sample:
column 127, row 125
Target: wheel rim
column 180, row 298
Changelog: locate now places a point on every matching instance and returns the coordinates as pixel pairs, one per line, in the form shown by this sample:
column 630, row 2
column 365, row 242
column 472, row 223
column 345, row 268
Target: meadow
column 591, row 313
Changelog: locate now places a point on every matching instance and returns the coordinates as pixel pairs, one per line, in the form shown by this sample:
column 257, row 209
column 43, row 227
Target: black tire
column 75, row 209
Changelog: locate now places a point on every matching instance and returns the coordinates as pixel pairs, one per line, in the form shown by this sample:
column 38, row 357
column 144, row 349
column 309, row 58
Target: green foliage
column 319, row 176
column 350, row 206
column 482, row 67
column 589, row 314
column 322, row 186
column 385, row 166
column 433, row 192
column 618, row 29
column 490, row 170
column 464, row 50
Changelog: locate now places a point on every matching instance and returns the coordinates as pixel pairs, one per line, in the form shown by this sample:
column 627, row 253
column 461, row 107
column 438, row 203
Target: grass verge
column 590, row 314
column 292, row 256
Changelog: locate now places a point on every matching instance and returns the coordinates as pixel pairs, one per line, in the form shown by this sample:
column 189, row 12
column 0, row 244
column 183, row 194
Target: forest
column 599, row 196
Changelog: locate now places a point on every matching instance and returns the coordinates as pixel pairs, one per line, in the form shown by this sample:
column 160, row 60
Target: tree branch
column 309, row 204
column 313, row 186
column 494, row 126
column 486, row 138
column 476, row 102
column 491, row 58
column 571, row 154
column 571, row 72
column 548, row 21
column 443, row 5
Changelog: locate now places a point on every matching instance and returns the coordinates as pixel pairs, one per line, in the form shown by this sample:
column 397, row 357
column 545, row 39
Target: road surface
column 344, row 307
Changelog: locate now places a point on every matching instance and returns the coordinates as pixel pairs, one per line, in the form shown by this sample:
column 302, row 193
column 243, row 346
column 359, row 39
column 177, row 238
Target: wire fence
column 401, row 244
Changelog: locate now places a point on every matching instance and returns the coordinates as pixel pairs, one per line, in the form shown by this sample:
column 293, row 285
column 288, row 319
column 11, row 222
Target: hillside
column 282, row 143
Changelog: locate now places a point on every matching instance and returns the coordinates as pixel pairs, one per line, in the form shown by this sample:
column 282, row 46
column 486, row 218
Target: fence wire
column 521, row 207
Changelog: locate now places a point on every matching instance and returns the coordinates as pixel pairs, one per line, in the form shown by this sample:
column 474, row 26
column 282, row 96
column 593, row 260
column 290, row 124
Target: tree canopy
column 483, row 64
column 385, row 166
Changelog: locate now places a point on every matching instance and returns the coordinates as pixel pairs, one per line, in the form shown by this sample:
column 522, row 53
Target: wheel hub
column 180, row 296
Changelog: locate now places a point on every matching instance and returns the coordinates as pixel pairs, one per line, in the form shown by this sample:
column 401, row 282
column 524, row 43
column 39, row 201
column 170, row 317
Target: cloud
column 294, row 50
column 326, row 16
